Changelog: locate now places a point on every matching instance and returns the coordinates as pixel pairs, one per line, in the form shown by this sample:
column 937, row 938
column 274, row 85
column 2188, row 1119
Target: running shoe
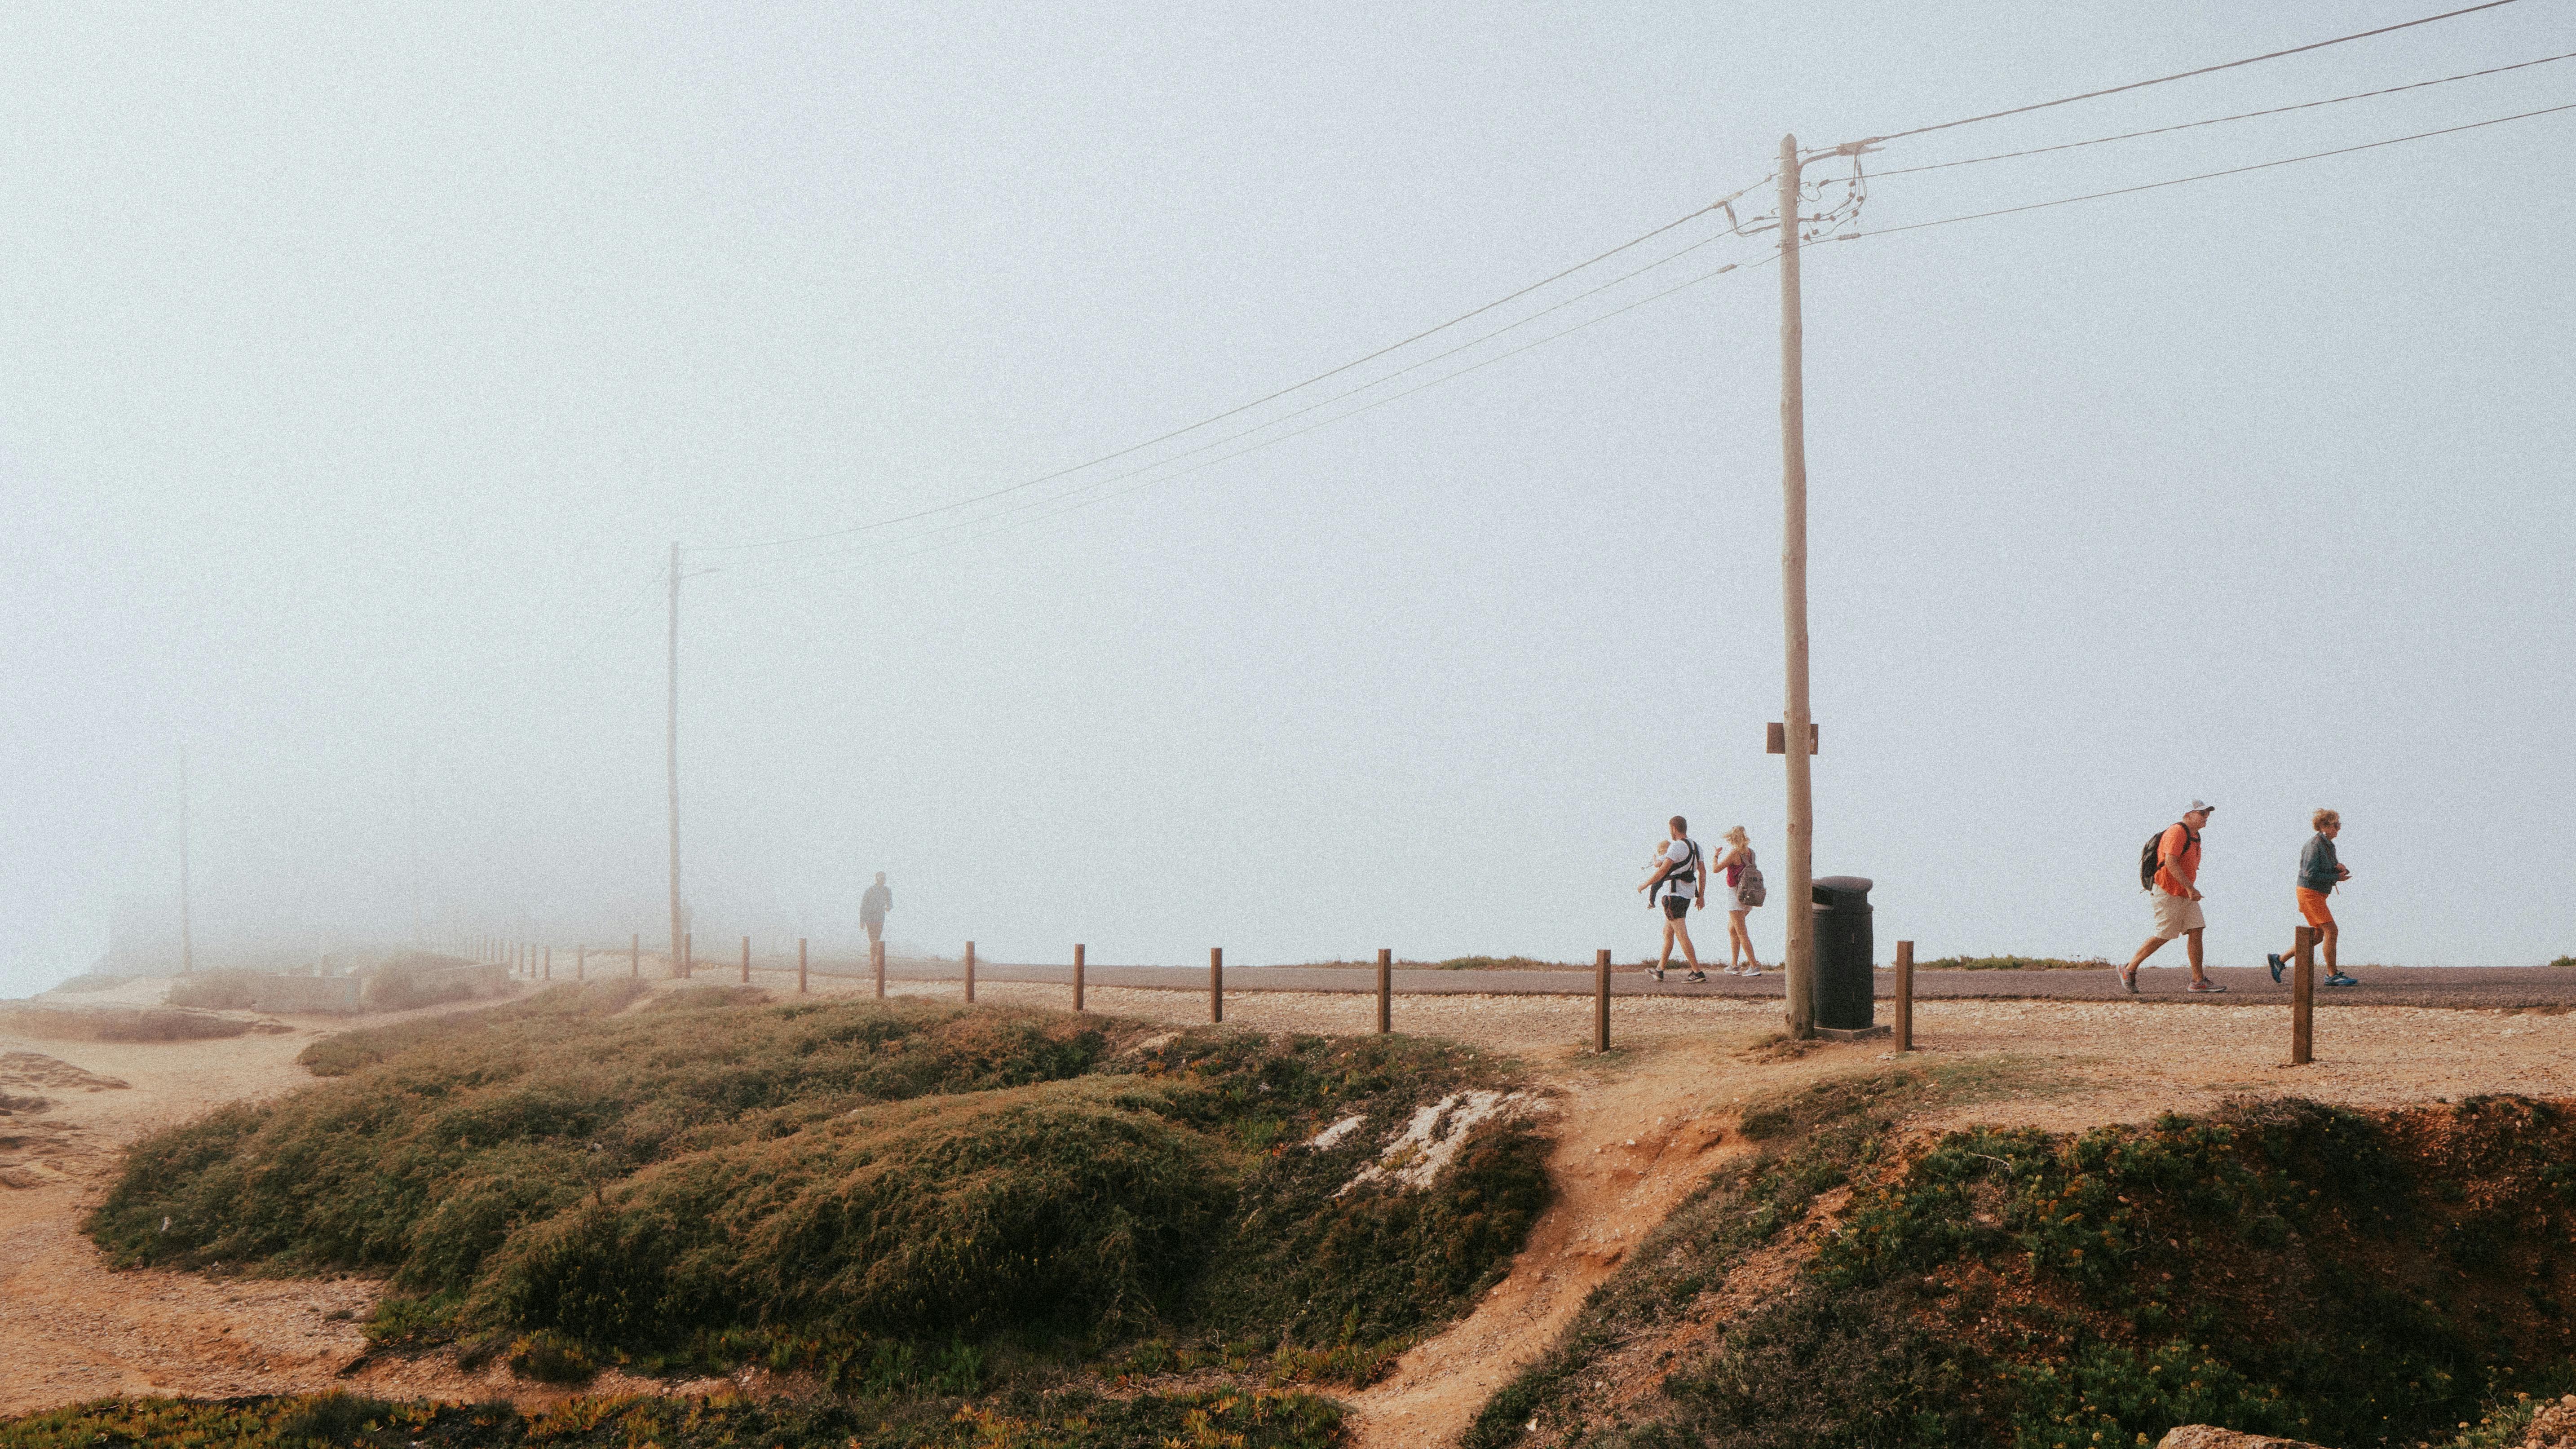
column 2339, row 979
column 1656, row 971
column 2274, row 961
column 2206, row 987
column 1752, row 970
column 2128, row 977
column 1696, row 976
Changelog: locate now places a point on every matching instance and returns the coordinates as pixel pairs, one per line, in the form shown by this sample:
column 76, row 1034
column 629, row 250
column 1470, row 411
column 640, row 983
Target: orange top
column 2178, row 857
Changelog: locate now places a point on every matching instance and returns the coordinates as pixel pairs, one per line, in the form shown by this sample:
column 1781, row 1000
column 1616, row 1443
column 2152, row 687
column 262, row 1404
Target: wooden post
column 1601, row 1001
column 580, row 962
column 1905, row 996
column 2303, row 994
column 550, row 963
column 800, row 965
column 1077, row 977
column 1798, row 958
column 970, row 971
column 876, row 958
column 688, row 954
column 635, row 957
column 1385, row 991
column 746, row 960
column 1216, row 983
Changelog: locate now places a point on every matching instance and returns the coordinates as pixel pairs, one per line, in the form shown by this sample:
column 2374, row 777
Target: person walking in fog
column 872, row 909
column 2319, row 873
column 2176, row 896
column 1744, row 891
column 1683, row 876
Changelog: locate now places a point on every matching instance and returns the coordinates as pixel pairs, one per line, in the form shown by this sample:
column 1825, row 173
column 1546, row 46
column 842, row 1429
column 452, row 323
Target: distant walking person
column 2319, row 874
column 872, row 909
column 1744, row 891
column 2171, row 885
column 1683, row 877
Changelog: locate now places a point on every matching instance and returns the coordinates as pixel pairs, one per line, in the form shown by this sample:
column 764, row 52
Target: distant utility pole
column 1799, row 958
column 419, row 932
column 187, row 944
column 672, row 758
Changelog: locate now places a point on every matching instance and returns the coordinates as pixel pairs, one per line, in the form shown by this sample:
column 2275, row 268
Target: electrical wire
column 2221, row 120
column 1324, row 402
column 2208, row 175
column 2187, row 74
column 1724, row 205
column 1084, row 502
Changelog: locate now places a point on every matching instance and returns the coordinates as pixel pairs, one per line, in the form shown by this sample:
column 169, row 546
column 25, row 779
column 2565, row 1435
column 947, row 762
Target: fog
column 360, row 364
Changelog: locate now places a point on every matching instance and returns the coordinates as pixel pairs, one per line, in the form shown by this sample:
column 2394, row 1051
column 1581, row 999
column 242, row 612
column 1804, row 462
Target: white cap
column 2200, row 805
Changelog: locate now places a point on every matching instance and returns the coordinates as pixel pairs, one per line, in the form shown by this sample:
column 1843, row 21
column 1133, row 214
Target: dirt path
column 1636, row 1131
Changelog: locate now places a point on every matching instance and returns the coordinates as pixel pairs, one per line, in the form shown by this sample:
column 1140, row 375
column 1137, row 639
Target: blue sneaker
column 2274, row 961
column 2339, row 979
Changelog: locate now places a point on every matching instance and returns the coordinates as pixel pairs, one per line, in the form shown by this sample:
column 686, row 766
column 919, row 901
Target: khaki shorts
column 2176, row 915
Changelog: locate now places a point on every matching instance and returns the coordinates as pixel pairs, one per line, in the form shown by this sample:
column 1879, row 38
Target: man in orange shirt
column 2177, row 898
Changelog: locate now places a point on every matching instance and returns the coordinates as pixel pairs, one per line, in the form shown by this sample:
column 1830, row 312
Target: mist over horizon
column 365, row 365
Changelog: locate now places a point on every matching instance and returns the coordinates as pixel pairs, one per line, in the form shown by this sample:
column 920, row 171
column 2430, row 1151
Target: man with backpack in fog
column 2169, row 868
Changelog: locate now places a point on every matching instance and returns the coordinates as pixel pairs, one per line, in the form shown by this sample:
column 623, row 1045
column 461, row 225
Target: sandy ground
column 1635, row 1131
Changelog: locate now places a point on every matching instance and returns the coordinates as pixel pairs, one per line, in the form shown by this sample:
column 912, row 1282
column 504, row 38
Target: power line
column 2221, row 120
column 1323, row 402
column 2207, row 175
column 1242, row 408
column 2187, row 74
column 1373, row 404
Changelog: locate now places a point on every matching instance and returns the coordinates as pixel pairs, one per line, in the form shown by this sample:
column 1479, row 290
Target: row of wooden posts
column 538, row 963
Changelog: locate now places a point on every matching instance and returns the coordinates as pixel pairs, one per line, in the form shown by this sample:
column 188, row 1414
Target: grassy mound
column 2284, row 1268
column 835, row 1187
column 1063, row 1419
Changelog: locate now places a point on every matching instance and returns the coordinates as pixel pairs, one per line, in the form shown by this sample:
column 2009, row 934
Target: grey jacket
column 2317, row 864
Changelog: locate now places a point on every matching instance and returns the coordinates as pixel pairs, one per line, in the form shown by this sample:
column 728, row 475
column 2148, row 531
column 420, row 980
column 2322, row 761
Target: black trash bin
column 1844, row 953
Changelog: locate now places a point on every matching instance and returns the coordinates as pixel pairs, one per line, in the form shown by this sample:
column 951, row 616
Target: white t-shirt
column 1678, row 854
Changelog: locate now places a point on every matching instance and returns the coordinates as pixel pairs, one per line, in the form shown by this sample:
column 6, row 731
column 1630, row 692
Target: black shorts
column 1676, row 907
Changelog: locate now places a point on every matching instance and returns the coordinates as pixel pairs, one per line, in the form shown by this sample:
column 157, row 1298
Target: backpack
column 2152, row 858
column 1749, row 889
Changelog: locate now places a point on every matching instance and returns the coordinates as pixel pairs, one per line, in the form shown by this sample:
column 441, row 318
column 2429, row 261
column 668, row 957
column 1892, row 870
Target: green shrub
column 847, row 1188
column 1062, row 1418
column 2286, row 1268
column 1052, row 1207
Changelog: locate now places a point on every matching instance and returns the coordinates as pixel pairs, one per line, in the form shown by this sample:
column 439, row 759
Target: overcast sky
column 359, row 364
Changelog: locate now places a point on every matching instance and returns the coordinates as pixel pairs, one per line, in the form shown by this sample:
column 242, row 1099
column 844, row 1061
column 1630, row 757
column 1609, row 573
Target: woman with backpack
column 1744, row 891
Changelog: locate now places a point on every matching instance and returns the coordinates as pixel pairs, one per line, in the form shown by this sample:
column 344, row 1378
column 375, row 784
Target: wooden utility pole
column 1216, row 983
column 800, row 965
column 1077, row 978
column 970, row 972
column 187, row 941
column 1385, row 990
column 671, row 755
column 1799, row 959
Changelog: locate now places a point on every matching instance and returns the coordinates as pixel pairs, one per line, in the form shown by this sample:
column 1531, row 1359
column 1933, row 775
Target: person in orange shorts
column 2319, row 874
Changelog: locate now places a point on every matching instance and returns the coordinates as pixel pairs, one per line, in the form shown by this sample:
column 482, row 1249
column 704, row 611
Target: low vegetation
column 932, row 1200
column 2286, row 1268
column 1064, row 1418
column 2011, row 963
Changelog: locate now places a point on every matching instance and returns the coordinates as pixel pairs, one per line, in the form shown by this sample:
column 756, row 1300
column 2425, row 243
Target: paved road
column 2489, row 987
